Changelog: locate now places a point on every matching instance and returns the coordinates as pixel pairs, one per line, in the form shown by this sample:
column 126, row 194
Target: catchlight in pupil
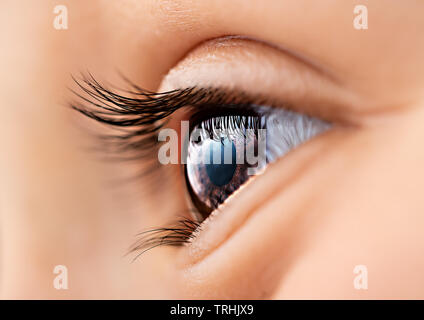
column 222, row 161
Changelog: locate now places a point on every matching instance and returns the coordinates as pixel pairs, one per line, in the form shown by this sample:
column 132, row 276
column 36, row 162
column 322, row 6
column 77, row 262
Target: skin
column 352, row 196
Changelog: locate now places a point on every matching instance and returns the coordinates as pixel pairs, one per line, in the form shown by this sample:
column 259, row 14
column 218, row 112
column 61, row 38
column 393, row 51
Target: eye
column 230, row 140
column 225, row 151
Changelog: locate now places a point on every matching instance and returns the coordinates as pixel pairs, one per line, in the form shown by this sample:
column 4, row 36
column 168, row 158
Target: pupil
column 221, row 173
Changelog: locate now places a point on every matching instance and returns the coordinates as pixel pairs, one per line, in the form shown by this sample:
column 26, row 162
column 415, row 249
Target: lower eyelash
column 178, row 234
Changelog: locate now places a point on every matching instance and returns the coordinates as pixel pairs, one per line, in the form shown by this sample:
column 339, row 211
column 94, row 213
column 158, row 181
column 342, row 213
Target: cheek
column 368, row 212
column 358, row 203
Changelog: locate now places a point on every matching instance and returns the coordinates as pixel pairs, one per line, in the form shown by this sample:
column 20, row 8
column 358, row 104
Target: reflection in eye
column 220, row 150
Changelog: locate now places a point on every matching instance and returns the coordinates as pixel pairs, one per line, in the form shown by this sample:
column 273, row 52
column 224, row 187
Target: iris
column 217, row 161
column 221, row 172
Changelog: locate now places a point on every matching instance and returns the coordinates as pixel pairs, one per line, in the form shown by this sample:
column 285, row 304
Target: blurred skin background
column 352, row 196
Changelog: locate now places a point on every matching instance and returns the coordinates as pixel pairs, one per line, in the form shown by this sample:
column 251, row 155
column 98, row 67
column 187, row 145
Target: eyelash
column 183, row 231
column 138, row 117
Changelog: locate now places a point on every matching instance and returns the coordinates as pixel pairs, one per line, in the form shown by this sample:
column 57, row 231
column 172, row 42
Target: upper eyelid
column 285, row 78
column 146, row 98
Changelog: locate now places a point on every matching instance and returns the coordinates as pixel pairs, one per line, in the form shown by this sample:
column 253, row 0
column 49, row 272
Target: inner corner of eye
column 225, row 151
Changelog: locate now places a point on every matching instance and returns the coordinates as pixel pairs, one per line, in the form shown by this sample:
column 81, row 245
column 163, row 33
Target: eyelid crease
column 285, row 80
column 284, row 50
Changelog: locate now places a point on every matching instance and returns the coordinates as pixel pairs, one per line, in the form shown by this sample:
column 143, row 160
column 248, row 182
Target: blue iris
column 221, row 174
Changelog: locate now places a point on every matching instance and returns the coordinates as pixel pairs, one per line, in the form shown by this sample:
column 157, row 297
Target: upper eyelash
column 140, row 114
column 232, row 125
column 134, row 117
